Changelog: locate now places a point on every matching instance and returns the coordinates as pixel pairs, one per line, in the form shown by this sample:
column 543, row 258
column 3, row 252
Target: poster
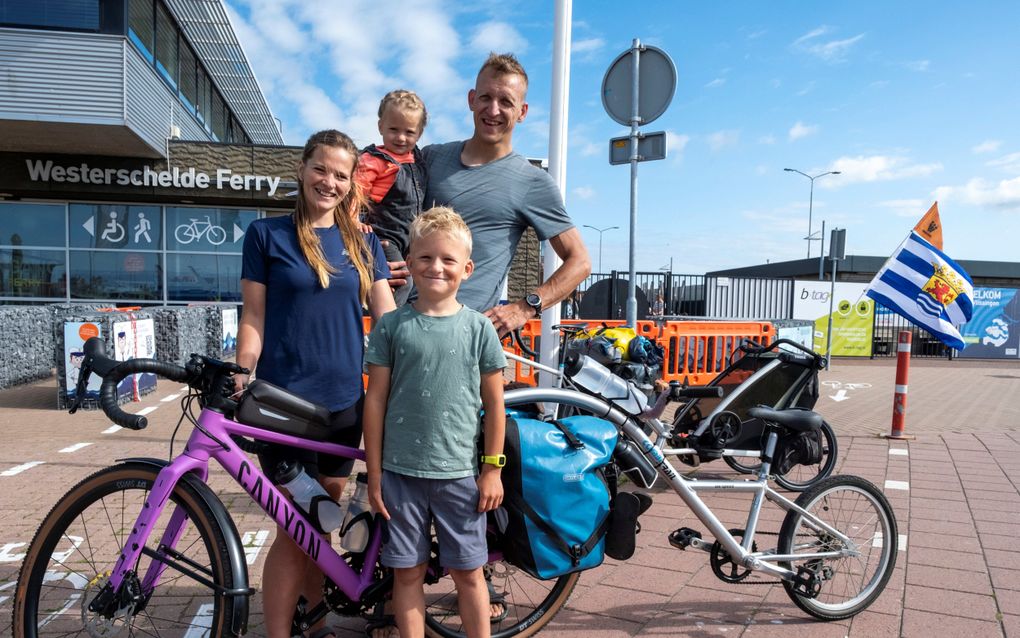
column 229, row 330
column 993, row 332
column 75, row 335
column 134, row 338
column 852, row 316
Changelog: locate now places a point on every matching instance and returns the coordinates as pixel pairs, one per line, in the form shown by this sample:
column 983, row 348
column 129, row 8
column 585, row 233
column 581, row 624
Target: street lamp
column 600, row 231
column 811, row 201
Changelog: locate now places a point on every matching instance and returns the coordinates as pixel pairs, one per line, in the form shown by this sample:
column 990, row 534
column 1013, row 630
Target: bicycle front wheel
column 70, row 558
column 530, row 602
column 854, row 579
column 801, row 477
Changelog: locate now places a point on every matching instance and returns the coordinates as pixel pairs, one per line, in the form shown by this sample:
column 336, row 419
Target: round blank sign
column 657, row 83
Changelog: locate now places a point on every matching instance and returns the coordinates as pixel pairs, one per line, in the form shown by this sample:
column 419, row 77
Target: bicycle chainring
column 723, row 566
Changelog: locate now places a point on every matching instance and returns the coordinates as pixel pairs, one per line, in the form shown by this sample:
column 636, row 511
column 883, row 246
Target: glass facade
column 77, row 15
column 126, row 253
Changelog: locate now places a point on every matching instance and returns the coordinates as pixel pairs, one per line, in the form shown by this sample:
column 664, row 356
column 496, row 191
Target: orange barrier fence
column 694, row 350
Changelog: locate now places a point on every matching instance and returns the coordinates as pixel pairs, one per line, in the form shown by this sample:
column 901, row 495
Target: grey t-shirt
column 498, row 200
column 436, row 365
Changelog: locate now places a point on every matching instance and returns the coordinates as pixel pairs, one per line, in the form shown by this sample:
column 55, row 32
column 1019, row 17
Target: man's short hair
column 440, row 219
column 504, row 64
column 406, row 100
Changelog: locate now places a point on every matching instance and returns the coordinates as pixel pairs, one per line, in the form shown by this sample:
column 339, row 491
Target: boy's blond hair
column 406, row 100
column 504, row 64
column 440, row 219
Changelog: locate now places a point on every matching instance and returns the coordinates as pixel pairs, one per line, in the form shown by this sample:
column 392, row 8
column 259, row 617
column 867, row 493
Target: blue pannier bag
column 555, row 494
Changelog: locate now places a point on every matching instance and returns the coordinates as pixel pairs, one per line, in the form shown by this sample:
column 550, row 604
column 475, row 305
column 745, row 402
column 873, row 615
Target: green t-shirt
column 436, row 364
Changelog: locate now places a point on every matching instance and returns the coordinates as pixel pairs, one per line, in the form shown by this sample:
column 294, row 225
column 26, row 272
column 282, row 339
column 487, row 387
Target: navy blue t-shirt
column 313, row 340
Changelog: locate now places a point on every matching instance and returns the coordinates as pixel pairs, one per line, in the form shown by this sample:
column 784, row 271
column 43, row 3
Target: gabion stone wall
column 27, row 352
column 105, row 321
column 214, row 331
column 181, row 331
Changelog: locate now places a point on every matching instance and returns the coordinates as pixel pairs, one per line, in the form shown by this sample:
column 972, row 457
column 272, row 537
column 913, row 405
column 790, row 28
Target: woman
column 304, row 280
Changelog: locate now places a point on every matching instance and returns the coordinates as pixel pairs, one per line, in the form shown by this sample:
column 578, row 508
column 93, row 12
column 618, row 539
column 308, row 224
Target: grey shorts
column 451, row 505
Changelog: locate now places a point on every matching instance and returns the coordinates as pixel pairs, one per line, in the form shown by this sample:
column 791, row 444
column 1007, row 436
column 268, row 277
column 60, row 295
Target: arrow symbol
column 839, row 396
column 90, row 226
column 238, row 233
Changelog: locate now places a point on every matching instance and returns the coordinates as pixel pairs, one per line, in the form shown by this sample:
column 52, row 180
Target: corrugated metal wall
column 746, row 298
column 61, row 77
column 151, row 106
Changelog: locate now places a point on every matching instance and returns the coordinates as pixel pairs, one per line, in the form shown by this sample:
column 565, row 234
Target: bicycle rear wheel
column 801, row 477
column 530, row 602
column 68, row 564
column 855, row 579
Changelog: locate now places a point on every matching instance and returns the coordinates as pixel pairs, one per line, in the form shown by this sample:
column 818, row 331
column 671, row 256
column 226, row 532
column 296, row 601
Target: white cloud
column 676, row 142
column 584, row 192
column 497, row 36
column 800, row 129
column 810, row 86
column 1009, row 163
column 715, row 83
column 587, row 46
column 877, row 168
column 1004, row 194
column 768, row 140
column 829, row 51
column 988, row 146
column 918, row 65
column 723, row 139
column 906, row 207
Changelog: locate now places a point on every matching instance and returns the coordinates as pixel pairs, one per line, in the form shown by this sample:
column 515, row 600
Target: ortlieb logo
column 573, row 478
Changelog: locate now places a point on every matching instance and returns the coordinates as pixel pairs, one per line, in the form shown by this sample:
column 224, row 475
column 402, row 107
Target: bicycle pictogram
column 187, row 233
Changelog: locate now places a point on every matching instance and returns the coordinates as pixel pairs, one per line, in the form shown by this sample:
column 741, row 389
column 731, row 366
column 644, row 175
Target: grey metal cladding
column 63, row 77
column 207, row 27
column 152, row 108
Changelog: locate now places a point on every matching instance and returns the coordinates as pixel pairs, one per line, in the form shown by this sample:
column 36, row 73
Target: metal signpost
column 636, row 90
column 837, row 251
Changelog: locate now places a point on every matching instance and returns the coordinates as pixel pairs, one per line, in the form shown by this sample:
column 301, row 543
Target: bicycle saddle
column 796, row 420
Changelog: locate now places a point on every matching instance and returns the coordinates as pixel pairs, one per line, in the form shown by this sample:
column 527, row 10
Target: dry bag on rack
column 555, row 493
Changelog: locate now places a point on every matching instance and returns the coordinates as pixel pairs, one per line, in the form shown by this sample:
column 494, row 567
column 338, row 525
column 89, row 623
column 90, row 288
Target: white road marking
column 172, row 397
column 201, row 623
column 898, row 451
column 148, row 410
column 897, row 485
column 18, row 469
column 112, row 429
column 901, row 541
column 74, row 448
column 253, row 542
column 7, row 554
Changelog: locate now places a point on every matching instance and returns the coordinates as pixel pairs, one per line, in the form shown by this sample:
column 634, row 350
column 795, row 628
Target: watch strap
column 498, row 460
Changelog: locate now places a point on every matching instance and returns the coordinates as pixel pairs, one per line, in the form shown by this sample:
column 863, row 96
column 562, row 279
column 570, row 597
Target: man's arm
column 575, row 267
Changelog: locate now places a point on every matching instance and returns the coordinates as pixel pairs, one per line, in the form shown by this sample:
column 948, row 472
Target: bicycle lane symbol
column 841, row 389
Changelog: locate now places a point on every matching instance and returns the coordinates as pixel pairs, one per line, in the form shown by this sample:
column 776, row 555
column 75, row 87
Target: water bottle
column 600, row 381
column 309, row 495
column 357, row 523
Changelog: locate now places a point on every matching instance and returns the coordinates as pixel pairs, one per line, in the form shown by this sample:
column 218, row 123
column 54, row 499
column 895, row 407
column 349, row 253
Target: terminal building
column 135, row 148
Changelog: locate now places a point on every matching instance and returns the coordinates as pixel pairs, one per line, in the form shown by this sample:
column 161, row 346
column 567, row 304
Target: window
column 32, row 273
column 219, row 114
column 116, row 226
column 124, row 274
column 203, row 277
column 80, row 15
column 218, row 230
column 141, row 24
column 32, row 225
column 204, row 98
column 166, row 45
column 188, row 87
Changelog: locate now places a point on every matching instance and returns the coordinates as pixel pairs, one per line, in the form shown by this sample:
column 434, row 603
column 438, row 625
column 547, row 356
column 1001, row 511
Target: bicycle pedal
column 807, row 582
column 684, row 538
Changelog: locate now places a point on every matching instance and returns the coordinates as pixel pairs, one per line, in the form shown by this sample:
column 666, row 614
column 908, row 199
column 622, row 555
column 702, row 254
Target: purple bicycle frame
column 195, row 459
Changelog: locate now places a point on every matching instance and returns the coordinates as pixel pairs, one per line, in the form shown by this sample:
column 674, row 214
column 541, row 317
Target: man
column 500, row 194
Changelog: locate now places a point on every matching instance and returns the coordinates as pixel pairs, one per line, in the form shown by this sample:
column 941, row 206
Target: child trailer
column 781, row 376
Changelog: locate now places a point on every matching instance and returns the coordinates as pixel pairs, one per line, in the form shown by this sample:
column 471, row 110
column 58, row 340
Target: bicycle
column 146, row 547
column 187, row 233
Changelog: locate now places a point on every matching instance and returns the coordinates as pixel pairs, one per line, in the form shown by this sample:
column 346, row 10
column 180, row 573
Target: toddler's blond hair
column 406, row 100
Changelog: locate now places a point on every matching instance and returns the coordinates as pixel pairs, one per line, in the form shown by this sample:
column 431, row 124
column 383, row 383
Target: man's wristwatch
column 535, row 302
column 499, row 460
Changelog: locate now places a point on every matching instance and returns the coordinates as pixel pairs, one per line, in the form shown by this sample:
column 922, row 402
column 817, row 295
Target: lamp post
column 811, row 201
column 600, row 231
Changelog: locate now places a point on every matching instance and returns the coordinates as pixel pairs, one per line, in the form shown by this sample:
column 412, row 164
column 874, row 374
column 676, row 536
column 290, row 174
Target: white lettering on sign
column 177, row 177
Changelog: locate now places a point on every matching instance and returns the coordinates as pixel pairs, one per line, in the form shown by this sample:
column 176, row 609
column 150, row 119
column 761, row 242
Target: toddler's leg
column 473, row 601
column 409, row 600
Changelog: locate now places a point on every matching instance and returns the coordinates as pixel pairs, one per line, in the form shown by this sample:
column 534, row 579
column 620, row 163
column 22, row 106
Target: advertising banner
column 76, row 333
column 229, row 330
column 135, row 339
column 852, row 316
column 993, row 332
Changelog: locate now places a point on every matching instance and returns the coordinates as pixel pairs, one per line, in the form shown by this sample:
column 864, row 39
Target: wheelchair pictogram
column 114, row 231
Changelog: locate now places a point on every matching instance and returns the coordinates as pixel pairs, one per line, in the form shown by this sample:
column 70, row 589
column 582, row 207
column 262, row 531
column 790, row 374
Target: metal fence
column 604, row 296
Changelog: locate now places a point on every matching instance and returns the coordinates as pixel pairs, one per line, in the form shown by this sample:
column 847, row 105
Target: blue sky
column 912, row 101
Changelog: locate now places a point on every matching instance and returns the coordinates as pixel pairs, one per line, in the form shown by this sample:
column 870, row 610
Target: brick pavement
column 959, row 575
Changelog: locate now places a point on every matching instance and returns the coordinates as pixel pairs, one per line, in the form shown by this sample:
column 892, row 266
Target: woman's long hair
column 345, row 215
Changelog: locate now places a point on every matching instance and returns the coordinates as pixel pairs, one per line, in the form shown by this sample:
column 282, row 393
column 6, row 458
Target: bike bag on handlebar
column 269, row 407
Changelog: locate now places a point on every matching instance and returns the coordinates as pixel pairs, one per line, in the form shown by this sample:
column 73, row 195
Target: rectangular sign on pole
column 852, row 316
column 651, row 146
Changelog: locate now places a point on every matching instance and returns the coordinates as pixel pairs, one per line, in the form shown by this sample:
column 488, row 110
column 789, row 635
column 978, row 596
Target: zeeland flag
column 922, row 284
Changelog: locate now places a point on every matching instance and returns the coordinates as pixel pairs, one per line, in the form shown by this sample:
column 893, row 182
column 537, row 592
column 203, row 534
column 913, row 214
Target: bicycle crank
column 723, row 566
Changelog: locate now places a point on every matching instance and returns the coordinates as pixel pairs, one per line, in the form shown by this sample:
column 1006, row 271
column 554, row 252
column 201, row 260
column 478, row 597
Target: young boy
column 432, row 364
column 392, row 175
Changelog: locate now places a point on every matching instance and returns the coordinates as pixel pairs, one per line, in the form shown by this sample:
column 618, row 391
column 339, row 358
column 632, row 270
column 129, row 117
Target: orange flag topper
column 930, row 226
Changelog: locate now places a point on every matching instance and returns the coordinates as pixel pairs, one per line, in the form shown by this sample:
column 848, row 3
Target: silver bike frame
column 688, row 489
